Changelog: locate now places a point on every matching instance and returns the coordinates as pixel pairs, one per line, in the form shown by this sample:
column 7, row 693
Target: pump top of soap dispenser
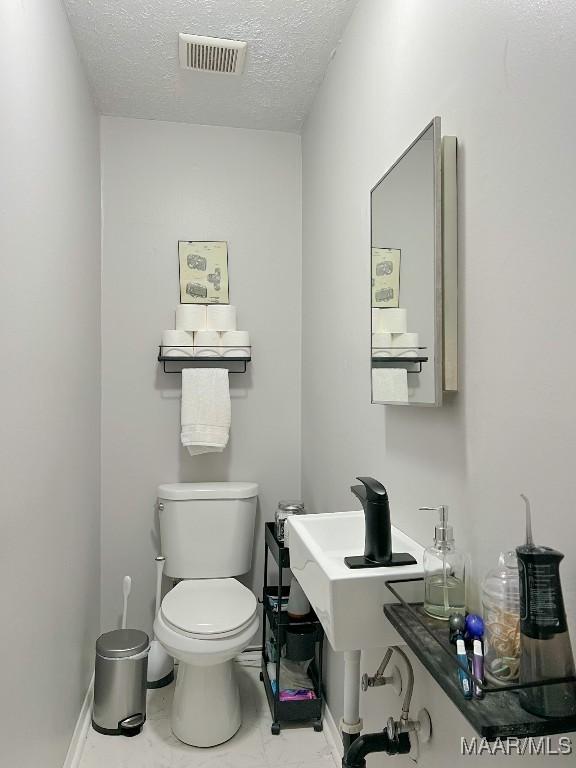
column 443, row 533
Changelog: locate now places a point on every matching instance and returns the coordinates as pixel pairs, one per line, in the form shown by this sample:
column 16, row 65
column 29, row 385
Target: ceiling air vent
column 211, row 54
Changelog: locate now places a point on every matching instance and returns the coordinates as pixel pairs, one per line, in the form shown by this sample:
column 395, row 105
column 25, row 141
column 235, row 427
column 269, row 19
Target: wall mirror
column 413, row 274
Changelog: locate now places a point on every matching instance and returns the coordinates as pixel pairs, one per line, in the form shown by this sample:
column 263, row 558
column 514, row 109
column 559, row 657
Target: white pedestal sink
column 347, row 602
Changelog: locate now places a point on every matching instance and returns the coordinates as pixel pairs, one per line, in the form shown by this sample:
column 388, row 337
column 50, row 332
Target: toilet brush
column 160, row 664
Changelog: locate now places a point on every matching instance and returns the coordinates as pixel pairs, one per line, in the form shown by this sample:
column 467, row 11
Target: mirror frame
column 438, row 361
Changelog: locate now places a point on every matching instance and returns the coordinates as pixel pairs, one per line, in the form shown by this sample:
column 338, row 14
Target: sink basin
column 348, row 602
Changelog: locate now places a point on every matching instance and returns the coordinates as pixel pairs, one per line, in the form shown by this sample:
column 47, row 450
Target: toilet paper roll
column 177, row 344
column 221, row 317
column 380, row 344
column 407, row 344
column 389, row 320
column 236, row 344
column 208, row 344
column 191, row 317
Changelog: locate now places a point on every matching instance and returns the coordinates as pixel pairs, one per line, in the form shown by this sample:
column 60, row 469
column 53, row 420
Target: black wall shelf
column 204, row 362
column 387, row 362
column 498, row 714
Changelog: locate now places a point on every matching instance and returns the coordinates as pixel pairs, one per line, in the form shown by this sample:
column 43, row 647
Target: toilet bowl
column 207, row 535
column 204, row 624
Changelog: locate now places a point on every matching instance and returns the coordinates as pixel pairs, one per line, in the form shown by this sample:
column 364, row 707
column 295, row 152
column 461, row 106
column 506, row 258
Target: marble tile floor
column 252, row 747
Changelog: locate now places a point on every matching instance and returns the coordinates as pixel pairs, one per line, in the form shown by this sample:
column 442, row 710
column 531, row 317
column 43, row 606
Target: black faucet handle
column 378, row 531
column 374, row 490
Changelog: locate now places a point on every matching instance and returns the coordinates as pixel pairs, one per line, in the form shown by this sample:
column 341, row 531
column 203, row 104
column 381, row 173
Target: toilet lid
column 209, row 607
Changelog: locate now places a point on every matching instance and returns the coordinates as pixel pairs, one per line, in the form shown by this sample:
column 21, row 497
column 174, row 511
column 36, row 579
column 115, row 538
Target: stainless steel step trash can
column 120, row 682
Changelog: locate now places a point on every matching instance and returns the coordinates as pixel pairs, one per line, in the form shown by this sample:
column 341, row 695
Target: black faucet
column 378, row 538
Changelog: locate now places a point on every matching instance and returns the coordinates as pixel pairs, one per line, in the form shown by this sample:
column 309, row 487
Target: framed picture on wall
column 386, row 277
column 203, row 271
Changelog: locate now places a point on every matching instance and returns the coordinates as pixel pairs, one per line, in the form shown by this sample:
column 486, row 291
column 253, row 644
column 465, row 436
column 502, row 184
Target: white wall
column 50, row 383
column 501, row 77
column 163, row 182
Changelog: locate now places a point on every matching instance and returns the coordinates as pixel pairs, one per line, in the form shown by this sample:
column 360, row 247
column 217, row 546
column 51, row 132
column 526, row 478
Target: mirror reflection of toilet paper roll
column 381, row 342
column 191, row 317
column 407, row 344
column 236, row 344
column 208, row 344
column 389, row 320
column 220, row 317
column 177, row 344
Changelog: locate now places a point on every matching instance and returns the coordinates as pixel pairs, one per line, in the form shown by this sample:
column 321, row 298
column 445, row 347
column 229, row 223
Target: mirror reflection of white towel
column 390, row 385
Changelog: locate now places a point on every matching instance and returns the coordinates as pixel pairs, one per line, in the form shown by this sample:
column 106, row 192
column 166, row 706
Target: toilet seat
column 209, row 609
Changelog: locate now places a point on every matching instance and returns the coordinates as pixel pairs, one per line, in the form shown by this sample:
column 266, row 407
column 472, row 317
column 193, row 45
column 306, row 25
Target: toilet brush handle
column 160, row 559
column 126, row 587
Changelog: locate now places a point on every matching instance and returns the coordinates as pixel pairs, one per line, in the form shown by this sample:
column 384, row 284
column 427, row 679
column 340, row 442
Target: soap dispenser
column 445, row 571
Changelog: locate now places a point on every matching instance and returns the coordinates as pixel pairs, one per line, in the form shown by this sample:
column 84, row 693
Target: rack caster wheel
column 318, row 726
column 275, row 729
column 261, row 677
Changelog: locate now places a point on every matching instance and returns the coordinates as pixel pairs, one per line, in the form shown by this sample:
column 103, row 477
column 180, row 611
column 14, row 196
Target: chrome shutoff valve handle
column 392, row 729
column 375, row 681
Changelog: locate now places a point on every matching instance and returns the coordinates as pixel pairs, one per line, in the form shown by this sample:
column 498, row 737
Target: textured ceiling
column 130, row 49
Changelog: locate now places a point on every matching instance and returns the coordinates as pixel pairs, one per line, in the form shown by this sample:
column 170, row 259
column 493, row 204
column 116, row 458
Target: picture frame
column 203, row 271
column 386, row 277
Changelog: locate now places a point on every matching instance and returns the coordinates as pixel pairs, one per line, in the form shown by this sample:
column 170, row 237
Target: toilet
column 208, row 618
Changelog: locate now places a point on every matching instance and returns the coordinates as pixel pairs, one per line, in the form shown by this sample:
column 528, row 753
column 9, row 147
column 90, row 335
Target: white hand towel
column 206, row 410
column 389, row 385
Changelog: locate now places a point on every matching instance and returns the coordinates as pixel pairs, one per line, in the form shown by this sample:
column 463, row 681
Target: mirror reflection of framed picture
column 203, row 272
column 386, row 277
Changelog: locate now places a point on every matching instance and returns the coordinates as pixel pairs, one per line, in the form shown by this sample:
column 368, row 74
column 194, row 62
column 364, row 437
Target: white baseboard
column 78, row 740
column 333, row 736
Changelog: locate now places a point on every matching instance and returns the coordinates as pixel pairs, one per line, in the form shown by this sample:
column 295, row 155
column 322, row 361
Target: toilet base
column 206, row 708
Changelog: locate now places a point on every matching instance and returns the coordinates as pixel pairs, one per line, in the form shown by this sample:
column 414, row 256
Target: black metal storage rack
column 277, row 624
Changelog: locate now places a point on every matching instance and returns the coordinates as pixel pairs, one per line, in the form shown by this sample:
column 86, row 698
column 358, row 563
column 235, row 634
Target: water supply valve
column 375, row 681
column 419, row 731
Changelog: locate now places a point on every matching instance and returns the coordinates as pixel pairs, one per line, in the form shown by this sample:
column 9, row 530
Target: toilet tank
column 207, row 529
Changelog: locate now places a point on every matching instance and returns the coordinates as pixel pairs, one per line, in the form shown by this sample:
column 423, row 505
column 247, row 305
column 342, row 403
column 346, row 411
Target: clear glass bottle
column 501, row 609
column 286, row 509
column 445, row 571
